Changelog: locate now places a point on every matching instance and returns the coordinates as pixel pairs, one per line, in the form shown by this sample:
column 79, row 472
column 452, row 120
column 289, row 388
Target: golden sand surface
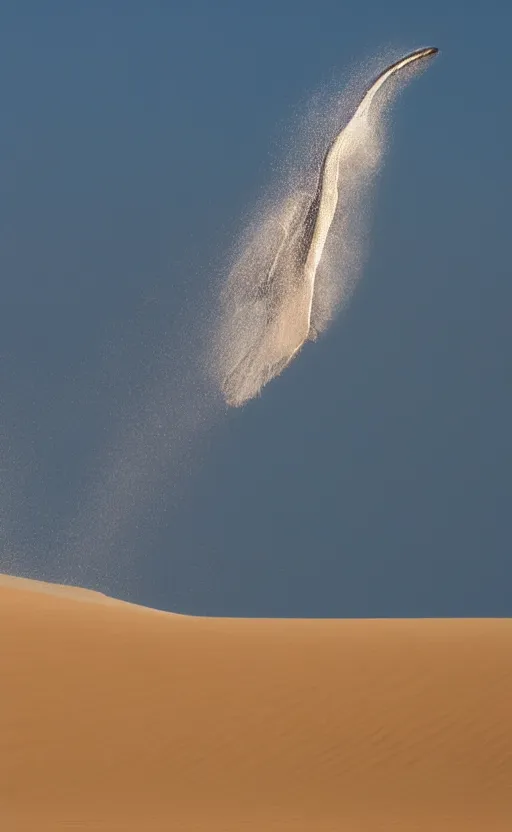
column 117, row 717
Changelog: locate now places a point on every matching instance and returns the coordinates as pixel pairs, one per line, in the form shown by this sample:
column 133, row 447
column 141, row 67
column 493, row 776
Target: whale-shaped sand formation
column 282, row 296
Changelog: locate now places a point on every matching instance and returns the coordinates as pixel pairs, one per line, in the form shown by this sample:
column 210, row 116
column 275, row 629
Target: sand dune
column 115, row 717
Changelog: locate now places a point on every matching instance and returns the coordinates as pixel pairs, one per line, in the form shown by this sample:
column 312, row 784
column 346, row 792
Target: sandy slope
column 113, row 717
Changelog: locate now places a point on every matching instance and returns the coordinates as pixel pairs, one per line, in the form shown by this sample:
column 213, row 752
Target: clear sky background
column 374, row 477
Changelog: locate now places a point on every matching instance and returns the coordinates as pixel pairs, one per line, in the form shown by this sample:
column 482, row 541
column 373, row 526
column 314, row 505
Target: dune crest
column 114, row 717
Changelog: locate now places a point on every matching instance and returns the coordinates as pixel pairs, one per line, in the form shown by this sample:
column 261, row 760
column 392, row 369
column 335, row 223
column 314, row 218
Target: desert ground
column 117, row 717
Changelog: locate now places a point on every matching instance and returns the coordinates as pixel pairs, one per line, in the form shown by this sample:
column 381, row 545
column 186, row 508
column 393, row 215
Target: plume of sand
column 150, row 446
column 246, row 343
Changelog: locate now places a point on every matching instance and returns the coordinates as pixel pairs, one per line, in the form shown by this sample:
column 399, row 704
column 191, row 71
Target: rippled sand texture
column 116, row 717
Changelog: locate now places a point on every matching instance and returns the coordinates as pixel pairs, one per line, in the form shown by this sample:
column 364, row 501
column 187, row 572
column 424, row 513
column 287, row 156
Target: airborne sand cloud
column 287, row 282
column 294, row 267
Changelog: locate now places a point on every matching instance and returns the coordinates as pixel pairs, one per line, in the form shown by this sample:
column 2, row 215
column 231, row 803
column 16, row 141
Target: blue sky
column 373, row 478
